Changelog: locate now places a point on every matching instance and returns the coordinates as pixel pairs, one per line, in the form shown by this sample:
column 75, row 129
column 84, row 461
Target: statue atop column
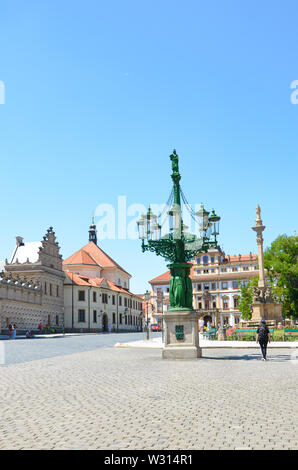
column 263, row 305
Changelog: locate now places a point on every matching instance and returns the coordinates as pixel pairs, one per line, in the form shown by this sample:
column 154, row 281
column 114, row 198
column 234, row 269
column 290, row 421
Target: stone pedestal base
column 266, row 311
column 222, row 333
column 181, row 335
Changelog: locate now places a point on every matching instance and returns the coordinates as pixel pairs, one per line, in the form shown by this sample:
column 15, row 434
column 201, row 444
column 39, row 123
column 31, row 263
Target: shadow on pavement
column 251, row 357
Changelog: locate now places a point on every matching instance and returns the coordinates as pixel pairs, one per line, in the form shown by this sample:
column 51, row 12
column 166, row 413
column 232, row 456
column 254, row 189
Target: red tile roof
column 241, row 258
column 162, row 278
column 91, row 254
column 81, row 280
column 165, row 277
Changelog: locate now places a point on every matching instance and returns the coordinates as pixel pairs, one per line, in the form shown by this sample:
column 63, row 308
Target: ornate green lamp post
column 179, row 247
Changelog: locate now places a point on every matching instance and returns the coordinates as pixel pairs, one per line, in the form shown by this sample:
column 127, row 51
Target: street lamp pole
column 147, row 297
column 179, row 247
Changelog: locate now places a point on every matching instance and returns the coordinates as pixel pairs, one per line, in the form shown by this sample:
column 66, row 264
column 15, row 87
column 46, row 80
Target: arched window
column 205, row 259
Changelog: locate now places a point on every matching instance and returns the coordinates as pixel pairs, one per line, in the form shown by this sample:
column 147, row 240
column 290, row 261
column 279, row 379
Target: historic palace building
column 96, row 292
column 216, row 282
column 31, row 285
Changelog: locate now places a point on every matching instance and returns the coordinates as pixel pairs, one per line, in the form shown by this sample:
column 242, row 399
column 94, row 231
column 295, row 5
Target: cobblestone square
column 131, row 399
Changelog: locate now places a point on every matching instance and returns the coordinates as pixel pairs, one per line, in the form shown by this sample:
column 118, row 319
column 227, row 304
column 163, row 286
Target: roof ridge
column 108, row 256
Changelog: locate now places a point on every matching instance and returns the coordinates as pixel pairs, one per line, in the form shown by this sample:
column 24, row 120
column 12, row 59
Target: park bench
column 210, row 334
column 247, row 332
column 290, row 332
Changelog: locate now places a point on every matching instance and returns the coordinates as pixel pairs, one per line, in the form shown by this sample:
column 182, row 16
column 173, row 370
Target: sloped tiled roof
column 92, row 254
column 165, row 277
column 81, row 280
column 242, row 258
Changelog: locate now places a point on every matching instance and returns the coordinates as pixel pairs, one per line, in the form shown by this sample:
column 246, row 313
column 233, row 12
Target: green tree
column 246, row 297
column 281, row 263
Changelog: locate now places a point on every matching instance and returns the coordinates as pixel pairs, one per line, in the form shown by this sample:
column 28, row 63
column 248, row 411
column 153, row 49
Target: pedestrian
column 14, row 331
column 263, row 337
column 10, row 331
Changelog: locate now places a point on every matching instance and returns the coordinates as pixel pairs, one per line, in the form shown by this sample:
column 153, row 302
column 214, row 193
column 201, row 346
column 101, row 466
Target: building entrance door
column 105, row 322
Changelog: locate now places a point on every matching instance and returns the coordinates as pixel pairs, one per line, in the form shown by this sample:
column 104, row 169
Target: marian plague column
column 264, row 306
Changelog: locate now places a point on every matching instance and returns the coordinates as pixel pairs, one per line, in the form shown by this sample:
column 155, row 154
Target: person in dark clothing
column 263, row 337
column 10, row 330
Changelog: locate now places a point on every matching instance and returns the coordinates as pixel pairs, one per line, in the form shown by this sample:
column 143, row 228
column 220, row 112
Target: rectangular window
column 81, row 318
column 213, row 285
column 125, row 302
column 223, row 270
column 57, row 291
column 94, row 297
column 120, row 300
column 114, row 318
column 94, row 316
column 235, row 284
column 113, row 300
column 120, row 318
column 51, row 289
column 199, row 287
column 104, row 298
column 236, row 302
column 214, row 304
column 225, row 304
column 45, row 288
column 224, row 285
column 234, row 269
column 57, row 320
column 206, row 286
column 81, row 295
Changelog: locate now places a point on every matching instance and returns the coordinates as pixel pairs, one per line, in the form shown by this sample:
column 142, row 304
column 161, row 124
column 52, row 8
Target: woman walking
column 10, row 330
column 263, row 337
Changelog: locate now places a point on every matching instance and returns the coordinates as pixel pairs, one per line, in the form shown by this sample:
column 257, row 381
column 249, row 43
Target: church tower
column 92, row 232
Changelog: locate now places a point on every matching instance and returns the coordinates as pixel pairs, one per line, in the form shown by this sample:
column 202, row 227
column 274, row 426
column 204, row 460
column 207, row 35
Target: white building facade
column 96, row 292
column 216, row 280
column 31, row 285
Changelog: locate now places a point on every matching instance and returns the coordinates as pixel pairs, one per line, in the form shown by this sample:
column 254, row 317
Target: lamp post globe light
column 178, row 247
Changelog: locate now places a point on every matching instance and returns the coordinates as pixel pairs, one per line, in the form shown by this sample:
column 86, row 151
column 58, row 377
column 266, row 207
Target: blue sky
column 98, row 93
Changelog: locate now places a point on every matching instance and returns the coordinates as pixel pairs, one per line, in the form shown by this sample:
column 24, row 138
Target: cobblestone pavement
column 41, row 347
column 132, row 399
